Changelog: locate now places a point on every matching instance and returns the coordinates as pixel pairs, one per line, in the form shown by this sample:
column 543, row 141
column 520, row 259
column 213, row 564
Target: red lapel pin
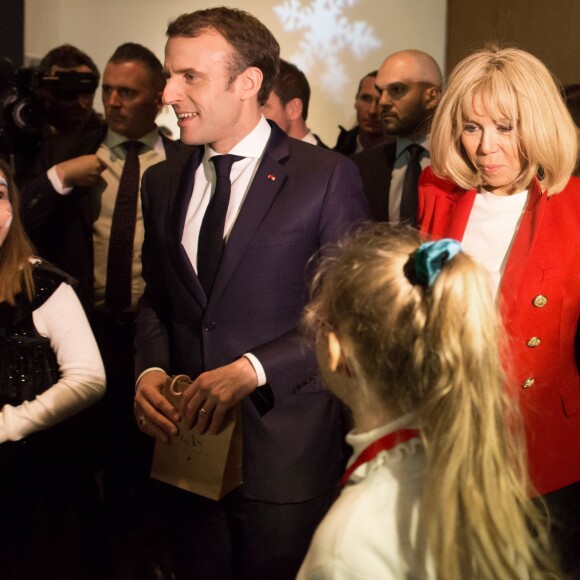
column 271, row 177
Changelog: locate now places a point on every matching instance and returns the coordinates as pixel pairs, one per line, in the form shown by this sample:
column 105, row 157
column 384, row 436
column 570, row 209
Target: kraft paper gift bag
column 208, row 465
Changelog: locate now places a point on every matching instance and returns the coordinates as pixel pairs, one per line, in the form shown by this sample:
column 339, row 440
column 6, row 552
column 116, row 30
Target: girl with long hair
column 50, row 370
column 437, row 486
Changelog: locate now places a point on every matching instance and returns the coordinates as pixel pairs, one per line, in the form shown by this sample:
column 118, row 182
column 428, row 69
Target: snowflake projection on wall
column 327, row 32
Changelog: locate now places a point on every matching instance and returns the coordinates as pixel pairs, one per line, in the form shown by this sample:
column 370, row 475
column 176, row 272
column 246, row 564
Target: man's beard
column 408, row 124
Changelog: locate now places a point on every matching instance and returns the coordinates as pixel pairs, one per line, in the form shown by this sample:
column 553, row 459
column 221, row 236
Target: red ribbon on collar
column 385, row 443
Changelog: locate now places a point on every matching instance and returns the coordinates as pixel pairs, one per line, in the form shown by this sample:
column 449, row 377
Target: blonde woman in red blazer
column 502, row 133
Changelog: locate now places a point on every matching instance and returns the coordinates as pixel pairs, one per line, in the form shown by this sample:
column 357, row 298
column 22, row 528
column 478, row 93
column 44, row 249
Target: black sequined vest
column 28, row 365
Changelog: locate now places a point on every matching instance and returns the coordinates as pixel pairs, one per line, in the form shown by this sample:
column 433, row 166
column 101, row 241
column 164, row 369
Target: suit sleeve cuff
column 260, row 373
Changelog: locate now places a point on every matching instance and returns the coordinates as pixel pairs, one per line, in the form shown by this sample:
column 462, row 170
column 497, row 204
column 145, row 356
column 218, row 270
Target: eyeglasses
column 399, row 90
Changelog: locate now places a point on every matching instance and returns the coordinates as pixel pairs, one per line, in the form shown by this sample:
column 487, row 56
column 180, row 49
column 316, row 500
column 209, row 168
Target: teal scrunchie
column 431, row 257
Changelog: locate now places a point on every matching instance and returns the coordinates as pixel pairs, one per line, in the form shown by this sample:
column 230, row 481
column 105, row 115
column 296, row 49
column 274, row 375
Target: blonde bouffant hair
column 434, row 351
column 514, row 85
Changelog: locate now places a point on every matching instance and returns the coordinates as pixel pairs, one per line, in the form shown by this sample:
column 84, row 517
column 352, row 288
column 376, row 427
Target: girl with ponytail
column 407, row 337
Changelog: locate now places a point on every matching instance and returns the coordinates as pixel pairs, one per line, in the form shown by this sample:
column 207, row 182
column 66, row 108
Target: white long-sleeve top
column 62, row 320
column 370, row 532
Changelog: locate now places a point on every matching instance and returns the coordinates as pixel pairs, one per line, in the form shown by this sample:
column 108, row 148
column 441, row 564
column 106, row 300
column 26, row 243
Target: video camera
column 22, row 95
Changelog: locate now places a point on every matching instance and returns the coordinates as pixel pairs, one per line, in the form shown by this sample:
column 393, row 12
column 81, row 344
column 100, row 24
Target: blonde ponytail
column 476, row 513
column 433, row 348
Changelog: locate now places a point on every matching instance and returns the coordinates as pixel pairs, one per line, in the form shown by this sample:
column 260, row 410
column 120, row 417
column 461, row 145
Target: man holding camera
column 68, row 103
column 55, row 99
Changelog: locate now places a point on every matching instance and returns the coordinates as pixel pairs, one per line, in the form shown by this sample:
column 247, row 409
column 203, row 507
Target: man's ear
column 159, row 101
column 294, row 109
column 250, row 82
column 431, row 97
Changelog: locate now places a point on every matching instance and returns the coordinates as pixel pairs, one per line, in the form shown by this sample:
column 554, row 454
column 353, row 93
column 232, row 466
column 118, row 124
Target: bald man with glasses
column 409, row 83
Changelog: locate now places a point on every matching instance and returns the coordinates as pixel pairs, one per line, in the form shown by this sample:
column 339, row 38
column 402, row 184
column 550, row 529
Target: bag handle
column 175, row 380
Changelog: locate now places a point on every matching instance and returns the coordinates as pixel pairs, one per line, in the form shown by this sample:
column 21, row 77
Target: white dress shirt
column 252, row 148
column 309, row 138
column 112, row 153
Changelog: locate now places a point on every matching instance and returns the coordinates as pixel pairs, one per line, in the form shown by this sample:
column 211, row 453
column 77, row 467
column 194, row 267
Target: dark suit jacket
column 60, row 226
column 319, row 142
column 376, row 166
column 346, row 141
column 301, row 198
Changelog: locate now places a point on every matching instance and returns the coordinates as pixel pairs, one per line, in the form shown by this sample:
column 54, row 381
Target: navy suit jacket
column 301, row 198
column 61, row 226
column 376, row 166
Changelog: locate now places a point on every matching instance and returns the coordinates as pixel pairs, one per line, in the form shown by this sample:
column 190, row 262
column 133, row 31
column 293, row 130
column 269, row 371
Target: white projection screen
column 335, row 42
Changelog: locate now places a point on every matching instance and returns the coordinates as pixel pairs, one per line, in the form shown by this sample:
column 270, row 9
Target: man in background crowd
column 409, row 83
column 368, row 131
column 57, row 99
column 83, row 213
column 288, row 102
column 69, row 110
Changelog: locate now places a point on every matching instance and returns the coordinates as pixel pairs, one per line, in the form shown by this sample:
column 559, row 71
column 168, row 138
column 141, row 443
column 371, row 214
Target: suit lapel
column 182, row 263
column 457, row 216
column 268, row 180
column 523, row 244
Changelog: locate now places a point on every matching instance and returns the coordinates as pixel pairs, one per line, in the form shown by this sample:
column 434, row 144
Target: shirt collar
column 113, row 139
column 310, row 138
column 360, row 441
column 403, row 143
column 251, row 146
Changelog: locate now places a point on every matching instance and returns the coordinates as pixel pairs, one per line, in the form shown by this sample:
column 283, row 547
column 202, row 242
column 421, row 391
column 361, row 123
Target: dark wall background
column 549, row 29
column 12, row 30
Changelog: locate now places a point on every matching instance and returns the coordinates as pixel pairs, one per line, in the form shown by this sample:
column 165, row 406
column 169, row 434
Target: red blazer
column 540, row 307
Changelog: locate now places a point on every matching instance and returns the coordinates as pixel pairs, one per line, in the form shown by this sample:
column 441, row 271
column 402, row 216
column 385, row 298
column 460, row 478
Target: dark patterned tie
column 409, row 199
column 120, row 257
column 211, row 234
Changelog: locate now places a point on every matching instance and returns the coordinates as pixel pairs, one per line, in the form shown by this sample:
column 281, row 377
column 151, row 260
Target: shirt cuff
column 56, row 182
column 147, row 371
column 260, row 373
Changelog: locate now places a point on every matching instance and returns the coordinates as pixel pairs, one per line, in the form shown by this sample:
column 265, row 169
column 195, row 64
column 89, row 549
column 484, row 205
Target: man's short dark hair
column 67, row 56
column 373, row 74
column 253, row 44
column 133, row 52
column 291, row 83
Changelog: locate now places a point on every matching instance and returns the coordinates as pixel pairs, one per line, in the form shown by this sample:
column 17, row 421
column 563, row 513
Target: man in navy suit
column 239, row 340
